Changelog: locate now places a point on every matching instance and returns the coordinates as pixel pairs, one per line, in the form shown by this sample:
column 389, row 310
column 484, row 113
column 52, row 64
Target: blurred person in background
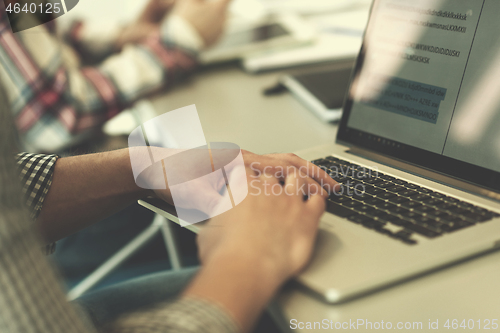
column 58, row 101
column 62, row 85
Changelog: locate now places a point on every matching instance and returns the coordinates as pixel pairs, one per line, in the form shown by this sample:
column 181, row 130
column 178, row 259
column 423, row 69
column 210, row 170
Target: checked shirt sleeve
column 35, row 172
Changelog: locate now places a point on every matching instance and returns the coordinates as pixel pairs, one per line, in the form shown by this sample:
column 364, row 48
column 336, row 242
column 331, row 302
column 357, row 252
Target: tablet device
column 269, row 35
column 322, row 91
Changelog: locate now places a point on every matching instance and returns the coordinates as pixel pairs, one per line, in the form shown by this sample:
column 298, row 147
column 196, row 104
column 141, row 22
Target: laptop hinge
column 426, row 173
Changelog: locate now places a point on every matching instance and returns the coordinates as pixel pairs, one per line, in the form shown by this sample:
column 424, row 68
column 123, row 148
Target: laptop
column 417, row 151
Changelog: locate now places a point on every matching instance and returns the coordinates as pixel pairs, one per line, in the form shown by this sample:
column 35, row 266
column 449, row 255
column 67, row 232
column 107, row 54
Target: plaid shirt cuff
column 35, row 173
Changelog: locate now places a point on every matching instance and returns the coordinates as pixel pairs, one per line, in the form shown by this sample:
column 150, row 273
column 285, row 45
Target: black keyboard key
column 358, row 218
column 334, row 166
column 422, row 230
column 339, row 178
column 355, row 184
column 379, row 214
column 468, row 205
column 397, row 221
column 426, row 209
column 339, row 198
column 385, row 184
column 478, row 216
column 386, row 206
column 373, row 181
column 408, row 193
column 457, row 225
column 373, row 190
column 434, row 202
column 351, row 203
column 458, row 210
column 373, row 224
column 386, row 177
column 384, row 231
column 443, row 215
column 374, row 201
column 421, row 197
column 362, row 196
column 320, row 161
column 451, row 200
column 445, row 205
column 412, row 204
column 399, row 200
column 396, row 189
column 410, row 214
column 386, row 199
column 429, row 223
column 403, row 234
column 337, row 209
column 361, row 175
column 398, row 210
column 366, row 221
column 385, row 195
column 409, row 241
column 364, row 209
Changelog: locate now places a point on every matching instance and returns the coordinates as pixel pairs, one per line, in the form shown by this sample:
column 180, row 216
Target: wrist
column 257, row 267
column 126, row 163
column 238, row 283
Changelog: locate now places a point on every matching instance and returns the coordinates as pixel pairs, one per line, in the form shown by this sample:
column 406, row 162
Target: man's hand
column 275, row 225
column 208, row 17
column 204, row 193
column 249, row 251
column 155, row 11
column 281, row 165
column 147, row 24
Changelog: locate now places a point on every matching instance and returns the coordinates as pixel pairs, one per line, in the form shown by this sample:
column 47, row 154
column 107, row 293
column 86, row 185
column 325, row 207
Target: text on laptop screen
column 430, row 78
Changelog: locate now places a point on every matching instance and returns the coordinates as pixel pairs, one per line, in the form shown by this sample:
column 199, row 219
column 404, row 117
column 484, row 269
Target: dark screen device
column 321, row 91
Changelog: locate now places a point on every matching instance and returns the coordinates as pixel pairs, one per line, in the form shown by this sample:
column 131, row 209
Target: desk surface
column 232, row 108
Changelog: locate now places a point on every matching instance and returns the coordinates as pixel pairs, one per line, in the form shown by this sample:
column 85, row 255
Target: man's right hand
column 274, row 225
column 250, row 250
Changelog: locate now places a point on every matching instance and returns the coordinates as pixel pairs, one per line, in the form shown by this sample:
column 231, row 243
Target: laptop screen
column 426, row 88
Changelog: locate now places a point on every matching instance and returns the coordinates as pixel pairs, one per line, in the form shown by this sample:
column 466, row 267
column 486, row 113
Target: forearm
column 242, row 287
column 86, row 189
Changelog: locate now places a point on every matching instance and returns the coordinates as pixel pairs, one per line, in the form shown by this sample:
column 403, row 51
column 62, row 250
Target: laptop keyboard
column 394, row 207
